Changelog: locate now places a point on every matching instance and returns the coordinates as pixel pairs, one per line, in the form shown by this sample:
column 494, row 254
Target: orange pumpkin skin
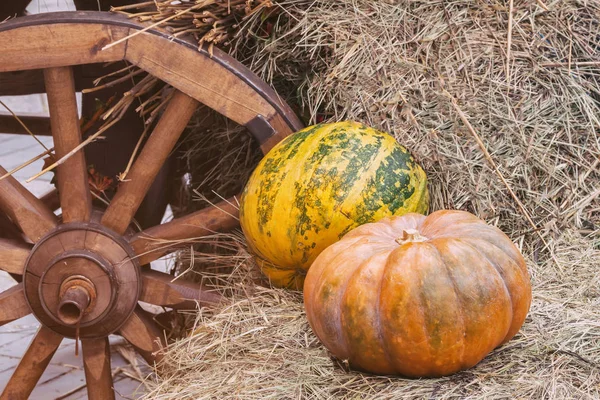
column 418, row 296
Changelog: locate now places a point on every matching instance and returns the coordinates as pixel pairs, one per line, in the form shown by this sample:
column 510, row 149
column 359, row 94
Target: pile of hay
column 499, row 101
column 261, row 347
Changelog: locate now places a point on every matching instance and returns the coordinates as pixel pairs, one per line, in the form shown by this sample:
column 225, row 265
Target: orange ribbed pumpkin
column 418, row 296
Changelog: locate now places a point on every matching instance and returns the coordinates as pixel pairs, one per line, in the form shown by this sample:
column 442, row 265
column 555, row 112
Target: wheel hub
column 82, row 276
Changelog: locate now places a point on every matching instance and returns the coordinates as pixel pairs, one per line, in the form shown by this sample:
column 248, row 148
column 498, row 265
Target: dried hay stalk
column 215, row 22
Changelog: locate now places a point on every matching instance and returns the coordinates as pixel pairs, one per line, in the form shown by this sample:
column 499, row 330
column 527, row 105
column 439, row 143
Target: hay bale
column 526, row 80
column 390, row 66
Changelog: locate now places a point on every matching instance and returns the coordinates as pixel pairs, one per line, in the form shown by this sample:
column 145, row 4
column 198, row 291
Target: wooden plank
column 132, row 191
column 51, row 200
column 8, row 230
column 57, row 45
column 21, row 82
column 155, row 242
column 75, row 198
column 37, row 125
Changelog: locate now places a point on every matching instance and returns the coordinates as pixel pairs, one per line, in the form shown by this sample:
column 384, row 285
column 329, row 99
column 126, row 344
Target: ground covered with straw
column 499, row 101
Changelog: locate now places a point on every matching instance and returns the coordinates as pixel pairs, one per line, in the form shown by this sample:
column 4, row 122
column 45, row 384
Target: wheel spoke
column 143, row 334
column 13, row 304
column 98, row 373
column 160, row 289
column 24, row 209
column 8, row 229
column 32, row 365
column 160, row 144
column 75, row 198
column 13, row 256
column 155, row 242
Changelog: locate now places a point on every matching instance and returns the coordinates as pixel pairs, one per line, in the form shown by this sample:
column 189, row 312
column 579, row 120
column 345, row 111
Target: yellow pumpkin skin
column 317, row 185
column 418, row 296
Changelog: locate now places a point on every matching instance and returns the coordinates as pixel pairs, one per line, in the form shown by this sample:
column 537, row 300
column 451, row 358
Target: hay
column 219, row 154
column 388, row 64
column 260, row 347
column 526, row 80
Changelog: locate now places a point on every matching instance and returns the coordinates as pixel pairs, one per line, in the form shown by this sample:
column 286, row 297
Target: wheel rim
column 82, row 277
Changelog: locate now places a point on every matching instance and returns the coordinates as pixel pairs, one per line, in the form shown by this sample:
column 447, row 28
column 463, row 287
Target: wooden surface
column 143, row 334
column 90, row 257
column 37, row 125
column 32, row 365
column 65, row 374
column 98, row 374
column 224, row 84
column 58, row 45
column 132, row 191
column 157, row 241
column 13, row 304
column 75, row 198
column 215, row 87
column 24, row 209
column 164, row 290
column 13, row 255
column 17, row 83
column 51, row 200
column 8, row 229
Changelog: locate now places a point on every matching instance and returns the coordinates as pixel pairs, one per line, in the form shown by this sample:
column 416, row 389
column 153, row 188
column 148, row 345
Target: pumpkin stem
column 411, row 236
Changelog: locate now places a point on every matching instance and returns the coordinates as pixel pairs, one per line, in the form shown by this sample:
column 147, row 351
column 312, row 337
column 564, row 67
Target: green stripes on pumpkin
column 321, row 182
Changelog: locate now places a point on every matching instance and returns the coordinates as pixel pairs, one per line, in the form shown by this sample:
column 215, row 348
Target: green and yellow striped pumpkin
column 318, row 184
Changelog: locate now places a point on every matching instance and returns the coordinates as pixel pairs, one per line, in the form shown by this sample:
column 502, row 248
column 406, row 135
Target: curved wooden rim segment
column 219, row 81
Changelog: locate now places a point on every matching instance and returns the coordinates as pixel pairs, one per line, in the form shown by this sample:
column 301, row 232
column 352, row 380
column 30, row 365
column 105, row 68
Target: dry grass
column 260, row 346
column 220, row 156
column 532, row 99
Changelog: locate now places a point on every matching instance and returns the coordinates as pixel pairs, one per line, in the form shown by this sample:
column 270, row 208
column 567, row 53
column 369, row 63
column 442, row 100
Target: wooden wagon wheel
column 81, row 274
